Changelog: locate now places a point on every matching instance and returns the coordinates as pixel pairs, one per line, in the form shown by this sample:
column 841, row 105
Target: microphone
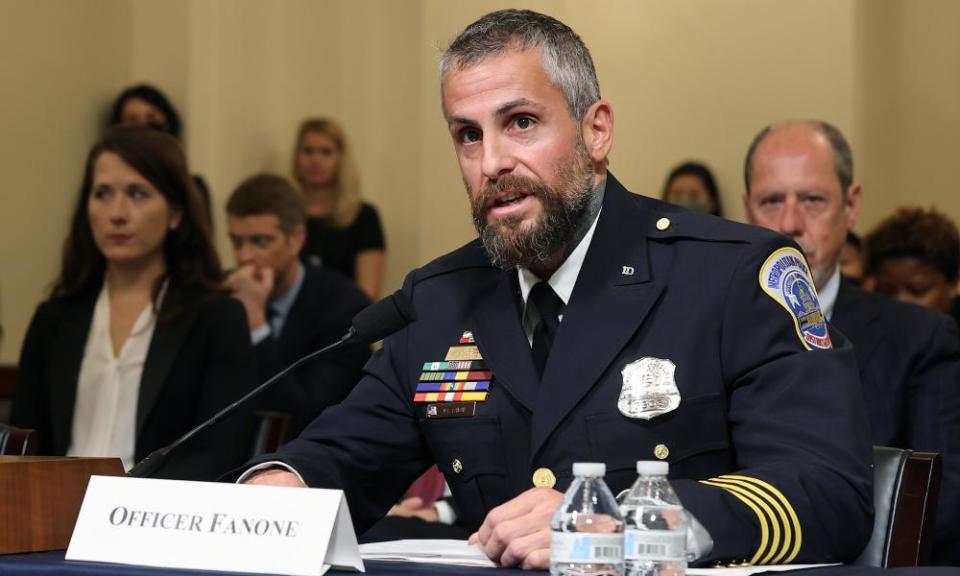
column 373, row 323
column 382, row 319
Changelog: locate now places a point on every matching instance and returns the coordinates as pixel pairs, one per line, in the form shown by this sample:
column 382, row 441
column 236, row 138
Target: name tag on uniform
column 451, row 410
column 214, row 526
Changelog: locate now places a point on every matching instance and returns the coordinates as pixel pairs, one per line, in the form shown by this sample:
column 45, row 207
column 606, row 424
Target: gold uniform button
column 663, row 224
column 457, row 465
column 661, row 451
column 544, row 478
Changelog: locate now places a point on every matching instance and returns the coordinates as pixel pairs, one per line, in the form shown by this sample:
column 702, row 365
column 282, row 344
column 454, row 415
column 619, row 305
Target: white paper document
column 748, row 570
column 453, row 552
column 459, row 553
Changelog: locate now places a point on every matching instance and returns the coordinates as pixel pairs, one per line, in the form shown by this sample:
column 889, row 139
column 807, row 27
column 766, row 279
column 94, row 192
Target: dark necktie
column 549, row 306
column 272, row 316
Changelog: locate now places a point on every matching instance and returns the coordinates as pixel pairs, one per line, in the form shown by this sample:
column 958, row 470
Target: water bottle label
column 654, row 544
column 582, row 547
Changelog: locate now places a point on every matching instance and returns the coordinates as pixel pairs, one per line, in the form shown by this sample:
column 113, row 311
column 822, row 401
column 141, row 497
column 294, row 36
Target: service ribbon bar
column 450, row 396
column 455, row 365
column 452, row 386
column 455, row 376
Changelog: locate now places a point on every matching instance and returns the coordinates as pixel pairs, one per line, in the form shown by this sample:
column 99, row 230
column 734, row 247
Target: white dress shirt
column 828, row 295
column 105, row 411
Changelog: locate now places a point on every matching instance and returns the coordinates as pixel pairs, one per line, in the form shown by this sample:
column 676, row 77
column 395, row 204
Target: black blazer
column 320, row 315
column 199, row 360
column 909, row 359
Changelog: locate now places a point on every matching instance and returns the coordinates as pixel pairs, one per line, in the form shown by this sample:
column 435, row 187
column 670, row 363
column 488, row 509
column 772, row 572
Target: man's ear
column 297, row 239
column 746, row 208
column 852, row 204
column 597, row 130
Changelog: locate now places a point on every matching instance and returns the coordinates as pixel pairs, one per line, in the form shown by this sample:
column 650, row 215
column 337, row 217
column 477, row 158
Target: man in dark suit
column 292, row 309
column 799, row 181
column 591, row 324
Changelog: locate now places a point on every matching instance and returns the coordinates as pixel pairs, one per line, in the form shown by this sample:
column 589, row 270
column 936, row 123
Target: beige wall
column 687, row 79
column 909, row 107
column 59, row 63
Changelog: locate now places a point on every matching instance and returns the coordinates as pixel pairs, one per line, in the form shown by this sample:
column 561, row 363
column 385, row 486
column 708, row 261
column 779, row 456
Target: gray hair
column 842, row 154
column 566, row 60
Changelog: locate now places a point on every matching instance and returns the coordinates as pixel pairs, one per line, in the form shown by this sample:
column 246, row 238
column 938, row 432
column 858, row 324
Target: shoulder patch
column 785, row 277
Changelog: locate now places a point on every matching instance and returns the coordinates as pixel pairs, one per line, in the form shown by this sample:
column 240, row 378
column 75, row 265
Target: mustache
column 507, row 183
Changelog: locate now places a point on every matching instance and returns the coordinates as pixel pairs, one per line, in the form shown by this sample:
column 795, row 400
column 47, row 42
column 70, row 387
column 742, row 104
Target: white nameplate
column 212, row 526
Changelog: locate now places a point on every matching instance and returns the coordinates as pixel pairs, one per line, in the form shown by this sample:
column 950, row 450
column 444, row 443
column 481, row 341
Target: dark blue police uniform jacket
column 769, row 447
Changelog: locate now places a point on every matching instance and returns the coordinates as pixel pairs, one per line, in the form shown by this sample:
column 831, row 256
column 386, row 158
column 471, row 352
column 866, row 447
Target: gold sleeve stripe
column 776, row 555
column 764, row 523
column 763, row 555
column 794, row 520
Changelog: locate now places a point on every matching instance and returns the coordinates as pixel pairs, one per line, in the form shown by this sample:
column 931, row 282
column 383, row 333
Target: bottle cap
column 589, row 469
column 652, row 467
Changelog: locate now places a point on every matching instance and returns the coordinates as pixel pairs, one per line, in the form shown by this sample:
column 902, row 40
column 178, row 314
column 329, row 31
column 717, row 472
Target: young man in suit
column 592, row 324
column 292, row 309
column 799, row 182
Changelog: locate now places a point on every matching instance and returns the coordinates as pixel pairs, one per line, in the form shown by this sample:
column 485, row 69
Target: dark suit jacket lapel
column 855, row 316
column 502, row 342
column 169, row 337
column 606, row 308
column 67, row 355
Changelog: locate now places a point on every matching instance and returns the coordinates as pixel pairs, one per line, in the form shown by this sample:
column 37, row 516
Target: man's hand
column 275, row 477
column 252, row 286
column 413, row 507
column 518, row 532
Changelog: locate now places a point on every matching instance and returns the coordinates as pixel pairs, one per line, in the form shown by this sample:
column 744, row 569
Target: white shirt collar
column 563, row 280
column 828, row 295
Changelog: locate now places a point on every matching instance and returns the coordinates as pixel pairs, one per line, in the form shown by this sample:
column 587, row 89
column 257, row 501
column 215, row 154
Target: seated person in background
column 138, row 343
column 914, row 256
column 851, row 258
column 597, row 325
column 799, row 181
column 692, row 186
column 146, row 106
column 343, row 231
column 292, row 308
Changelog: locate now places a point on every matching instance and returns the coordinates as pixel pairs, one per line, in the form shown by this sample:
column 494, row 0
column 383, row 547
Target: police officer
column 590, row 324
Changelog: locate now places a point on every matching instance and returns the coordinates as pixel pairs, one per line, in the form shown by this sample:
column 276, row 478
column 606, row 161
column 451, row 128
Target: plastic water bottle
column 587, row 528
column 655, row 535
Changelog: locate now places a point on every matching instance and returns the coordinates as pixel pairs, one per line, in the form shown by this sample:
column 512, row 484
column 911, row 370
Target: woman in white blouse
column 137, row 342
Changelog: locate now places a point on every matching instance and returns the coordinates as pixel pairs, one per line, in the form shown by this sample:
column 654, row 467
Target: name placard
column 212, row 526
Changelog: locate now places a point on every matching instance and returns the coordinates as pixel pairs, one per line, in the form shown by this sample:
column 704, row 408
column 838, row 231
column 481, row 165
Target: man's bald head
column 842, row 154
column 799, row 182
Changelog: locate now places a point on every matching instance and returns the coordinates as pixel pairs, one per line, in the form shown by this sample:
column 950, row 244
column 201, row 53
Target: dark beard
column 561, row 222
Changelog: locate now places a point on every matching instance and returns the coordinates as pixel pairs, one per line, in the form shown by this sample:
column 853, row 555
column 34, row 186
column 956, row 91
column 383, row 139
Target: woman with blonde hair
column 343, row 231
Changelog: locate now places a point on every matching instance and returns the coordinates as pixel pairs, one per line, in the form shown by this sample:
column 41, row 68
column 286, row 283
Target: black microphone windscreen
column 379, row 320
